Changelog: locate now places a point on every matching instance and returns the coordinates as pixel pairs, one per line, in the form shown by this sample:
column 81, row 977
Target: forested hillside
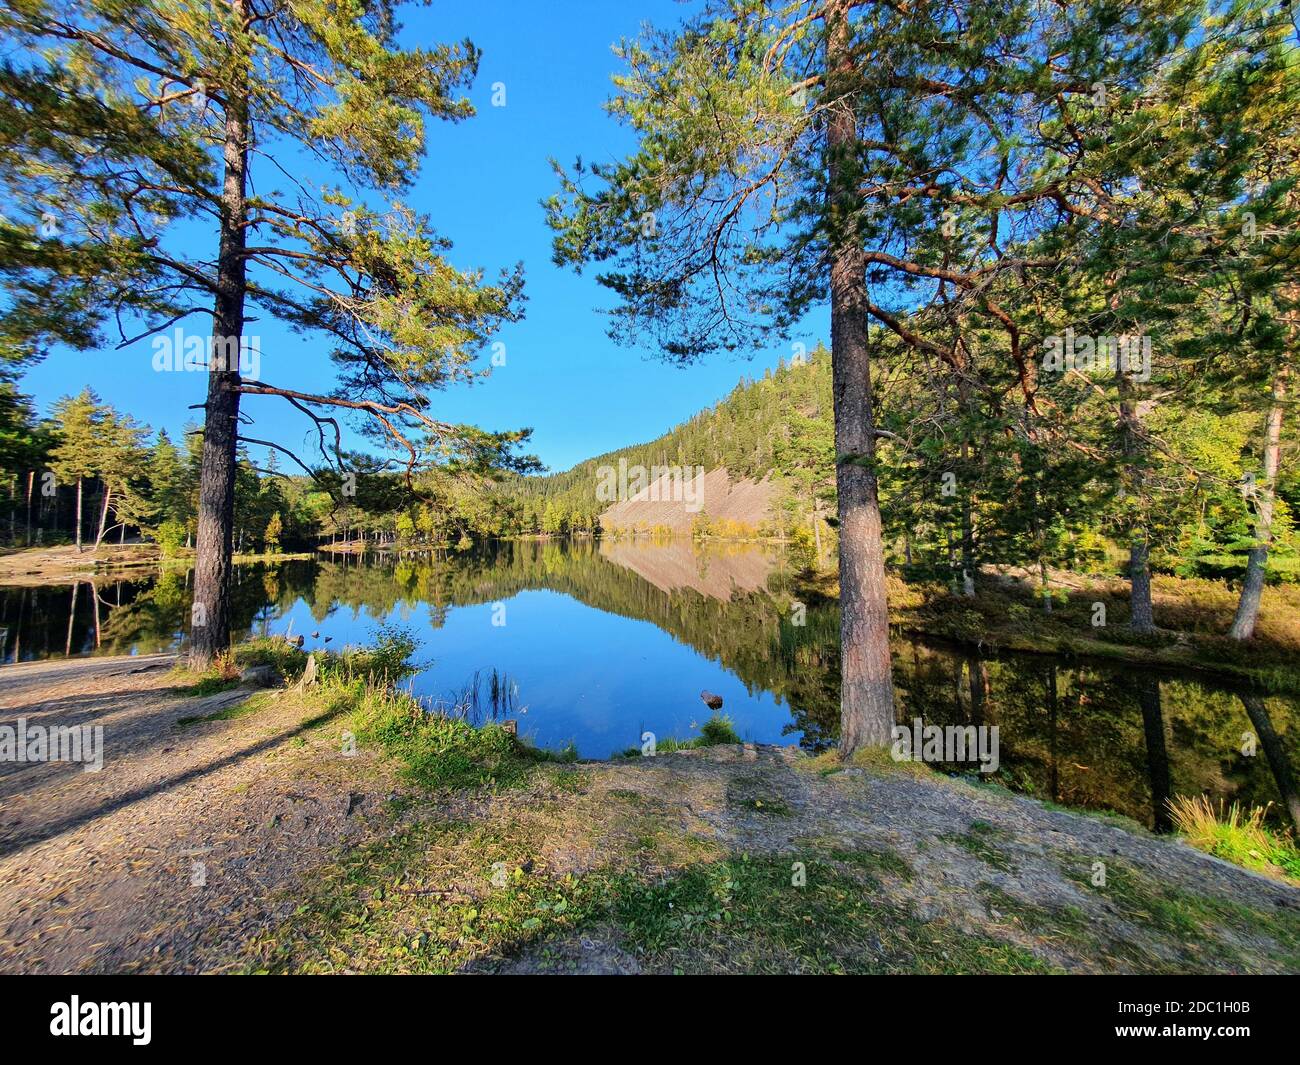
column 778, row 424
column 957, row 489
column 1019, row 503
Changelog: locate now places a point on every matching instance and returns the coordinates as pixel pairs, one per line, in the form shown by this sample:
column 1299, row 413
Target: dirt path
column 744, row 859
column 177, row 843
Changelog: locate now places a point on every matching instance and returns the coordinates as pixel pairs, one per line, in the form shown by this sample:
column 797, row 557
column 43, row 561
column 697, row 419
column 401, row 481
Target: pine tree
column 843, row 152
column 132, row 117
column 79, row 435
column 274, row 532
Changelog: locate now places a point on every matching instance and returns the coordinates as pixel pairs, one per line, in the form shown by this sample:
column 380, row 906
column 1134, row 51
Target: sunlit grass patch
column 1236, row 835
column 755, row 915
column 980, row 841
column 1182, row 931
column 244, row 708
column 221, row 676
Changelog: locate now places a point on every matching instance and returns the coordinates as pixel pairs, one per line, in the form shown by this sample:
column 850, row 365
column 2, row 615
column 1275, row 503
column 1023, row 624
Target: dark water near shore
column 596, row 643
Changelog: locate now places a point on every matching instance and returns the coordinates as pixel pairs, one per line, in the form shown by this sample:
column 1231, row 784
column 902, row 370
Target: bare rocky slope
column 663, row 503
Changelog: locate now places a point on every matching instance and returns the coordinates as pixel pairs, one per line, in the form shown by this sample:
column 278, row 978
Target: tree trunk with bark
column 1252, row 587
column 103, row 515
column 210, row 617
column 866, row 683
column 1141, row 616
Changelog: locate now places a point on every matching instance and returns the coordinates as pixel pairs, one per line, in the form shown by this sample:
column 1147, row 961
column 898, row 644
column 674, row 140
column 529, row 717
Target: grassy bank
column 723, row 857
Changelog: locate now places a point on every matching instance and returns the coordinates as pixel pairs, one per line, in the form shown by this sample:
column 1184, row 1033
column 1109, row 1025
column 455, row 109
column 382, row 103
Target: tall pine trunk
column 79, row 482
column 866, row 684
column 1252, row 588
column 1141, row 616
column 210, row 619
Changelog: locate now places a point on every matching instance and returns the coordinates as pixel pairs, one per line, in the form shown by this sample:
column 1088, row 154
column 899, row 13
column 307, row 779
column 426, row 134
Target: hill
column 697, row 502
column 767, row 451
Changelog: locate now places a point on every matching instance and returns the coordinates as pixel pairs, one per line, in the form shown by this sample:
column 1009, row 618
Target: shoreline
column 611, row 865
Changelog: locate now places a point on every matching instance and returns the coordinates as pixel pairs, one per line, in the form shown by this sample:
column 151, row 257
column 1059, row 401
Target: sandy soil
column 664, row 503
column 98, row 870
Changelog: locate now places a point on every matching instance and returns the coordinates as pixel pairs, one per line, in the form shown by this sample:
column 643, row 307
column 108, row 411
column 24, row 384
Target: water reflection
column 602, row 641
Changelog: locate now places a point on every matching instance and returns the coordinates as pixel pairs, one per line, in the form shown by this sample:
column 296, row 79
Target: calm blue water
column 582, row 675
column 601, row 642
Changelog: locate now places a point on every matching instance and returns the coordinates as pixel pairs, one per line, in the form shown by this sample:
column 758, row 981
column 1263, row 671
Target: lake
column 595, row 643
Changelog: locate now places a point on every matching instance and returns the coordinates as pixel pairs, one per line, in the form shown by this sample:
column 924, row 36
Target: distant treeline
column 1017, row 505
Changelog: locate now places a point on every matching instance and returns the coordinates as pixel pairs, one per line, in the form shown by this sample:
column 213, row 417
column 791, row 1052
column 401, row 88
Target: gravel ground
column 174, row 851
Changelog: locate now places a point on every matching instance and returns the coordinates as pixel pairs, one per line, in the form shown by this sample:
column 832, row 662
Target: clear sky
column 481, row 184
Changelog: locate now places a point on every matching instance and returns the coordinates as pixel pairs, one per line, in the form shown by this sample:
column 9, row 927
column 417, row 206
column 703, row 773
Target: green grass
column 381, row 909
column 274, row 651
column 435, row 751
column 1193, row 929
column 207, row 684
column 1238, row 836
column 877, row 859
column 979, row 841
column 717, row 731
column 221, row 676
column 242, row 709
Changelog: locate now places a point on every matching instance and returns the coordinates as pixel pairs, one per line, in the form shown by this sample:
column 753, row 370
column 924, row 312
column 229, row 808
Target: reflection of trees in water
column 1087, row 735
column 144, row 615
column 1275, row 752
column 1099, row 736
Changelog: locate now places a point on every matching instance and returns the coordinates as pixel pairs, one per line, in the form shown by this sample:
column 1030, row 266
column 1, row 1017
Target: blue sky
column 481, row 184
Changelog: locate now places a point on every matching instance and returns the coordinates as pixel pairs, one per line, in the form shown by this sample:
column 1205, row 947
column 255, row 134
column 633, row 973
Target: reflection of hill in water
column 718, row 572
column 1071, row 731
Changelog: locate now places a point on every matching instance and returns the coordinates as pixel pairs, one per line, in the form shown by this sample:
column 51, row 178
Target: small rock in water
column 713, row 702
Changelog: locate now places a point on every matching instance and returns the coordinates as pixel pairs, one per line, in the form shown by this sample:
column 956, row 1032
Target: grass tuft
column 1236, row 835
column 718, row 731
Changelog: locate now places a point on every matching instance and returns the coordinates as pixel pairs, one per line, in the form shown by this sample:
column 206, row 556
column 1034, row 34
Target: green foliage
column 1237, row 836
column 285, row 658
column 386, row 660
column 718, row 730
column 274, row 531
column 438, row 751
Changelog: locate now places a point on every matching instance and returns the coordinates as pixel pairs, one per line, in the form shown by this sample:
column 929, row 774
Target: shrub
column 718, row 730
column 171, row 538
